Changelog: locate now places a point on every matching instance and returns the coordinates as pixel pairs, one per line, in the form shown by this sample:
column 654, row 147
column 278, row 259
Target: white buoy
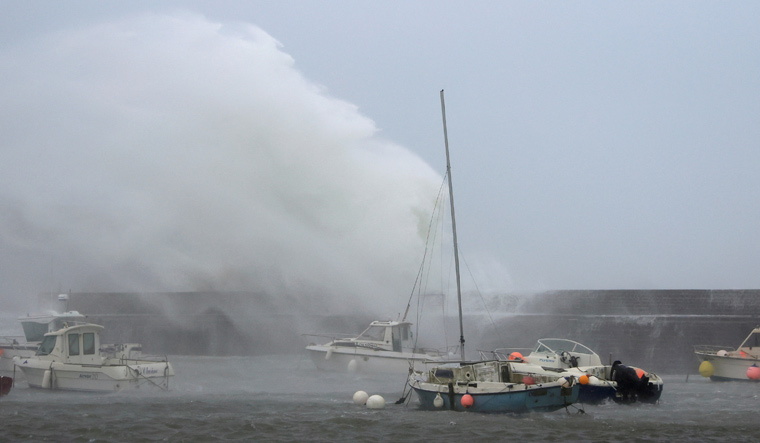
column 46, row 382
column 353, row 366
column 565, row 382
column 360, row 398
column 438, row 401
column 375, row 402
column 722, row 353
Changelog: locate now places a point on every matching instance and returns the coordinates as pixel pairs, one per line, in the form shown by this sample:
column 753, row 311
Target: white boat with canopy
column 72, row 358
column 385, row 346
column 34, row 327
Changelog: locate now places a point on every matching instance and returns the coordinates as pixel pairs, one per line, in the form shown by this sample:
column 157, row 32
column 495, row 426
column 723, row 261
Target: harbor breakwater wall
column 653, row 329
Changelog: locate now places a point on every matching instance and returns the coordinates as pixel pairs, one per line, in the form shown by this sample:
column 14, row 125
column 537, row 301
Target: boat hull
column 10, row 351
column 91, row 378
column 648, row 390
column 533, row 398
column 728, row 368
column 365, row 361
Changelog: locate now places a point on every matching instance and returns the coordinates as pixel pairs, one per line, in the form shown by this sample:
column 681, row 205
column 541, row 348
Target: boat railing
column 712, row 349
column 439, row 352
column 143, row 359
column 501, row 354
column 330, row 336
column 12, row 340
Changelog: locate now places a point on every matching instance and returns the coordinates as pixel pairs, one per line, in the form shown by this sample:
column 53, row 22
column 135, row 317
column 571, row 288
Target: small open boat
column 722, row 363
column 598, row 382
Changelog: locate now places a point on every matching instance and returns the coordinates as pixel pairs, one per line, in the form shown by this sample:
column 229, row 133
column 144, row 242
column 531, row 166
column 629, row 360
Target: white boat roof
column 389, row 323
column 50, row 316
column 83, row 327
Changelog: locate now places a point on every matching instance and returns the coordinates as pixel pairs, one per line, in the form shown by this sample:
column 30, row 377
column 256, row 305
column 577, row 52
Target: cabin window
column 47, row 345
column 73, row 344
column 396, row 339
column 405, row 332
column 88, row 343
column 376, row 333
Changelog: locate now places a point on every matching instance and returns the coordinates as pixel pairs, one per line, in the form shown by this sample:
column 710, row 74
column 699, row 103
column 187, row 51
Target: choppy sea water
column 284, row 398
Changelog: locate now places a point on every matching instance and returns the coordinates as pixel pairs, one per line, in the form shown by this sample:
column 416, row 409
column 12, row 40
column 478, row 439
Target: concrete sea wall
column 653, row 329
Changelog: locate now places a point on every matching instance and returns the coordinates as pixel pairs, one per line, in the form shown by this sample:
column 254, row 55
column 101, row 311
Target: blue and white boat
column 492, row 385
column 598, row 382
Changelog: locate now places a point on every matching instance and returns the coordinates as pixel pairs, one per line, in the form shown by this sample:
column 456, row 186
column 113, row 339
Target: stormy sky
column 297, row 146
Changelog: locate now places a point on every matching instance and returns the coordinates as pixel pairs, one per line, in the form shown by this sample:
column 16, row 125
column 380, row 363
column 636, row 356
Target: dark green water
column 284, row 398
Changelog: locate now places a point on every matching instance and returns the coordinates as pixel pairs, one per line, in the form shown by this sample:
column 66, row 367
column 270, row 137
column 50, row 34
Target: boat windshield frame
column 752, row 340
column 369, row 334
column 47, row 345
column 557, row 345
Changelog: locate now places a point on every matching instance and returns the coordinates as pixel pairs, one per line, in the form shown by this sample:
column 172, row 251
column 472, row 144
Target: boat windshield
column 374, row 333
column 559, row 345
column 47, row 345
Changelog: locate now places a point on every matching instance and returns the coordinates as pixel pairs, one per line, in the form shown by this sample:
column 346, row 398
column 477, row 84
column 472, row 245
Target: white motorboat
column 486, row 386
column 385, row 346
column 722, row 363
column 71, row 358
column 599, row 382
column 34, row 327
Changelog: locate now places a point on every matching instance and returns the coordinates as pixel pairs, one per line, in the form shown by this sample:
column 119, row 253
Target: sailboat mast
column 453, row 228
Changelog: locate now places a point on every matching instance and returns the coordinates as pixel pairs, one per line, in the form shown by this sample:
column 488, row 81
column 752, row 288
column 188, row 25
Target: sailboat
column 490, row 385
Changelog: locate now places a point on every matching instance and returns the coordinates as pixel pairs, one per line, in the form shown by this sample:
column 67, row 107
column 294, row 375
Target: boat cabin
column 382, row 335
column 79, row 344
column 36, row 326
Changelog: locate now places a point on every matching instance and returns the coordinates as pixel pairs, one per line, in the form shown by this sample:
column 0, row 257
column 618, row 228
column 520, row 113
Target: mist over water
column 172, row 153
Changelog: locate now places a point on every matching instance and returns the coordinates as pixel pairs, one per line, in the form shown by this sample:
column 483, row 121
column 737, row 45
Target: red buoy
column 753, row 372
column 467, row 400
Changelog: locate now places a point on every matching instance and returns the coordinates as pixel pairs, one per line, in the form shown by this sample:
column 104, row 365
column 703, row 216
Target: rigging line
column 437, row 216
column 420, row 279
column 427, row 245
column 477, row 289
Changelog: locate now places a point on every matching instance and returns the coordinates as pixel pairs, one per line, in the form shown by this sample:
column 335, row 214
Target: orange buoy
column 583, row 379
column 515, row 356
column 528, row 380
column 753, row 372
column 467, row 400
column 640, row 372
